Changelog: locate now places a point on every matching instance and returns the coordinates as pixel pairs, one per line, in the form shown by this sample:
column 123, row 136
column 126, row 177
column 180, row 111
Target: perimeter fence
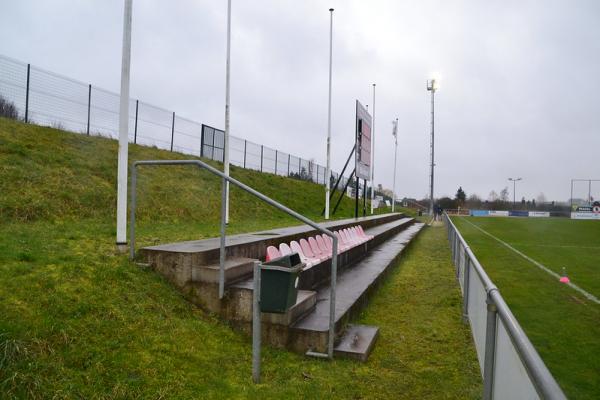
column 510, row 365
column 45, row 98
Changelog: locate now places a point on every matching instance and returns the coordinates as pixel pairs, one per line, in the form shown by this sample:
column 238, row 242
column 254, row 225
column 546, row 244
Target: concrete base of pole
column 122, row 248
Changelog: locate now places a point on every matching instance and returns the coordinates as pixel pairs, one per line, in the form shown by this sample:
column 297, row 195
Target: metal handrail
column 264, row 198
column 543, row 381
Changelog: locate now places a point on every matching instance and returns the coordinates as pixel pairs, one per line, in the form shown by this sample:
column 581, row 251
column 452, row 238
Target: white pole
column 227, row 86
column 328, row 168
column 124, row 129
column 373, row 154
column 395, row 133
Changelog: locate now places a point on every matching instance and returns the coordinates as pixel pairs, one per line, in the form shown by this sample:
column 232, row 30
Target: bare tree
column 504, row 194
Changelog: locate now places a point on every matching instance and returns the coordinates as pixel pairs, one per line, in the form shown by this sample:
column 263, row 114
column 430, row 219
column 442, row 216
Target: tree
column 504, row 194
column 493, row 196
column 460, row 197
column 541, row 199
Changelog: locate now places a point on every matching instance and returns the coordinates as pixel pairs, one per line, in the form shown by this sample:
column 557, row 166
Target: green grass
column 78, row 320
column 562, row 324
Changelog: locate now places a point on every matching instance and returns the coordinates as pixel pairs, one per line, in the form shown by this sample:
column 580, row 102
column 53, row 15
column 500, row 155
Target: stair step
column 236, row 268
column 354, row 283
column 357, row 342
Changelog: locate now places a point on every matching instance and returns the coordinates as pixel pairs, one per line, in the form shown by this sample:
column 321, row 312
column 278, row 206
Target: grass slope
column 77, row 320
column 562, row 324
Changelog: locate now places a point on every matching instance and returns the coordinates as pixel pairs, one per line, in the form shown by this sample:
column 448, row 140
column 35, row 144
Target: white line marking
column 589, row 296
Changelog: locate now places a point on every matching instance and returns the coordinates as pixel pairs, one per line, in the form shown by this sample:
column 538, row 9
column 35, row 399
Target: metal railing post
column 222, row 242
column 27, row 94
column 202, row 141
column 490, row 348
column 466, row 291
column 275, row 162
column 88, row 110
column 256, row 330
column 288, row 173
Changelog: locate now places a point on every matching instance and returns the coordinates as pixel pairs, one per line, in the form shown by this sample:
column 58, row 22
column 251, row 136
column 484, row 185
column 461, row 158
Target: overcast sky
column 518, row 79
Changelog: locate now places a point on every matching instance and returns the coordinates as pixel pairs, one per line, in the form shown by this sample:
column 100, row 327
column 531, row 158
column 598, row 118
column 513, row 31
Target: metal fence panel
column 13, row 82
column 55, row 100
column 478, row 314
column 510, row 378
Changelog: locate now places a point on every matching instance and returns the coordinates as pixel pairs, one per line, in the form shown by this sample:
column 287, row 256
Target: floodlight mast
column 123, row 154
column 514, row 181
column 373, row 154
column 328, row 167
column 227, row 109
column 431, row 87
column 395, row 134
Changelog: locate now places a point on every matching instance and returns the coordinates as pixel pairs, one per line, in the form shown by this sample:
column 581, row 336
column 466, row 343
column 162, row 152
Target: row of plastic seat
column 319, row 248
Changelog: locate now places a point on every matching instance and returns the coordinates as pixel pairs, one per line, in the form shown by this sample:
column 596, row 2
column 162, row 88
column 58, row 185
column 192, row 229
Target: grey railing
column 510, row 365
column 264, row 198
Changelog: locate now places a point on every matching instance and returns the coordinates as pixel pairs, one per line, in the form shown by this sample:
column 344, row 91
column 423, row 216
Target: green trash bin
column 279, row 283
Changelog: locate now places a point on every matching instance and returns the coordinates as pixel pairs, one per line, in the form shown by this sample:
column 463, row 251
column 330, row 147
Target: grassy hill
column 78, row 320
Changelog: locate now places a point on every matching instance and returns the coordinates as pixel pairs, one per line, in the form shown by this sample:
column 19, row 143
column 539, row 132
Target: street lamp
column 432, row 87
column 514, row 181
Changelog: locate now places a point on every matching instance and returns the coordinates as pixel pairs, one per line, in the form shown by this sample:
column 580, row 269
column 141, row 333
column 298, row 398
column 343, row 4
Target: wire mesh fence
column 46, row 98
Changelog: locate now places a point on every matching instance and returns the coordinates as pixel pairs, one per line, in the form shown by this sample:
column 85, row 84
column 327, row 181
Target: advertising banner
column 539, row 214
column 480, row 213
column 587, row 212
column 363, row 142
column 499, row 213
column 519, row 213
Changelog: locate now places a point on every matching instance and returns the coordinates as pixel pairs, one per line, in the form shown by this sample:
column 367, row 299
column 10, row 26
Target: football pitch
column 524, row 257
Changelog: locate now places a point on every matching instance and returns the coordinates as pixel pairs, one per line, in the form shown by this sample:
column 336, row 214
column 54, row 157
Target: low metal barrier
column 262, row 197
column 510, row 365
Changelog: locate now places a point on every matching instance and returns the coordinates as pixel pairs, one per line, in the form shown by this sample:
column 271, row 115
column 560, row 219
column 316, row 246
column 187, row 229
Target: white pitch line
column 589, row 296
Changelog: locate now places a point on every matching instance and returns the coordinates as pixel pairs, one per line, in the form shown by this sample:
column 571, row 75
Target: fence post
column 261, row 157
column 275, row 162
column 136, row 118
column 245, row 145
column 202, row 141
column 27, row 94
column 89, row 104
column 212, row 154
column 490, row 349
column 172, row 130
column 288, row 174
column 299, row 165
column 466, row 291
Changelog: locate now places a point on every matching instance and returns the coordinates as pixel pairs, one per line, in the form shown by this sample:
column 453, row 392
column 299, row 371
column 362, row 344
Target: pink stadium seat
column 322, row 245
column 357, row 235
column 307, row 250
column 328, row 242
column 284, row 249
column 296, row 248
column 343, row 246
column 362, row 231
column 272, row 253
column 314, row 246
column 349, row 242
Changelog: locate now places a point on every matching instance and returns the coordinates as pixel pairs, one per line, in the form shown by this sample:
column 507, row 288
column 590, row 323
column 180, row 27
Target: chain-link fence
column 45, row 98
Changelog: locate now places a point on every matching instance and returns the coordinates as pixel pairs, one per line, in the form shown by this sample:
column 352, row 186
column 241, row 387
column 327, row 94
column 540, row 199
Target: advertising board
column 363, row 142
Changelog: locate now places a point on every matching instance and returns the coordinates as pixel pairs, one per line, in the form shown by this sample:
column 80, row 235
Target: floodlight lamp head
column 331, row 9
column 431, row 85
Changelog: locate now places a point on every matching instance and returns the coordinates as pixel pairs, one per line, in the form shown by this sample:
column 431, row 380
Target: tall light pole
column 328, row 167
column 123, row 154
column 431, row 86
column 514, row 181
column 395, row 134
column 373, row 154
column 226, row 138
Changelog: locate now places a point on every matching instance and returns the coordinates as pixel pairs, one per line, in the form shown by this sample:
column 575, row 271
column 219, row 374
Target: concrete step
column 357, row 342
column 352, row 290
column 236, row 269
